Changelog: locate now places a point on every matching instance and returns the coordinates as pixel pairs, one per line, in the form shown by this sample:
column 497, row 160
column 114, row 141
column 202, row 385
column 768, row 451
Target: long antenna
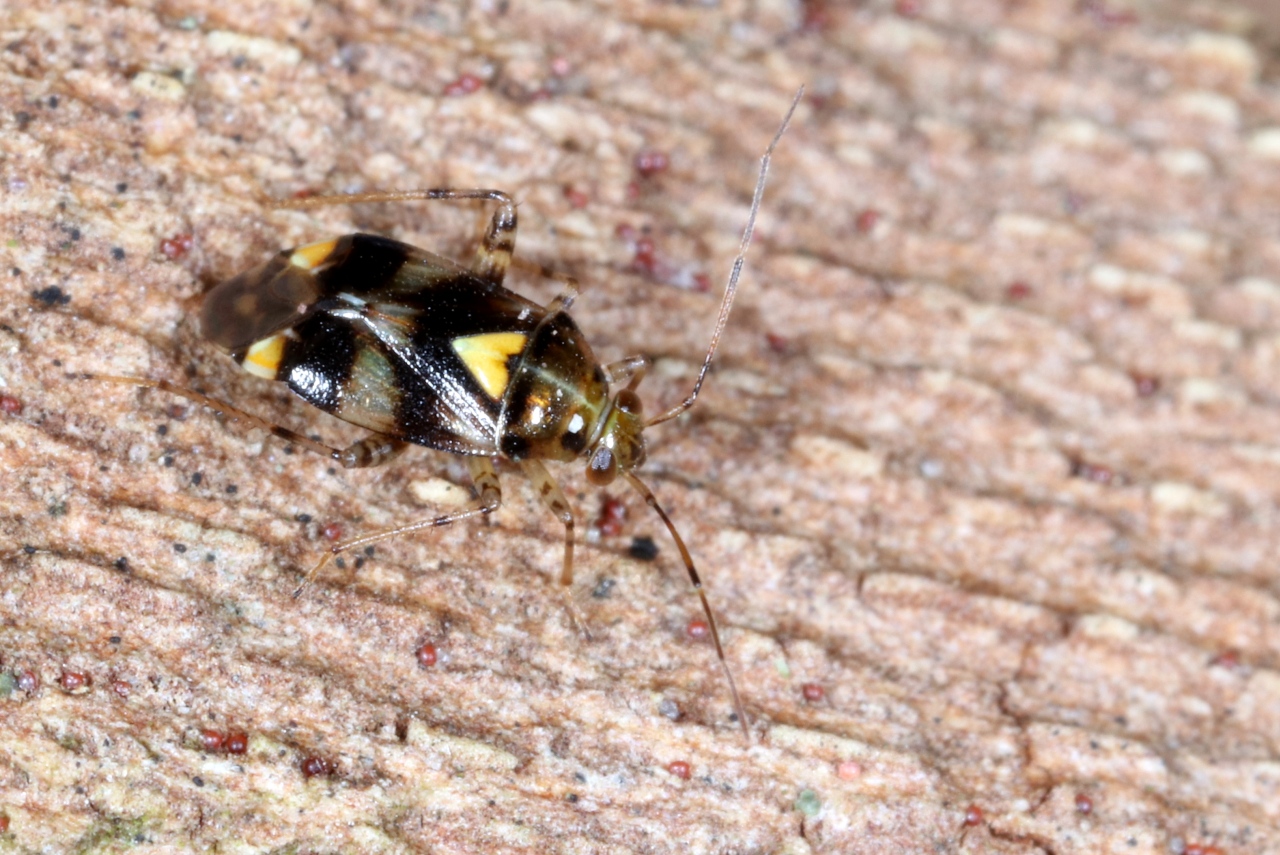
column 649, row 498
column 732, row 288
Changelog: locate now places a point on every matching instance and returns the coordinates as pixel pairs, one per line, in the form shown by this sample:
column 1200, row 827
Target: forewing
column 248, row 308
column 410, row 313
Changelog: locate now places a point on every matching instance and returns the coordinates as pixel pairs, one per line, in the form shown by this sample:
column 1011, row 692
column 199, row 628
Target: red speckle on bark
column 613, row 513
column 1145, row 385
column 177, row 246
column 697, row 629
column 1018, row 290
column 464, row 85
column 316, row 766
column 867, row 220
column 28, row 680
column 212, row 741
column 814, row 16
column 1229, row 659
column 849, row 770
column 644, row 260
column 649, row 163
column 1106, row 17
column 74, row 681
column 1092, row 472
column 1201, row 849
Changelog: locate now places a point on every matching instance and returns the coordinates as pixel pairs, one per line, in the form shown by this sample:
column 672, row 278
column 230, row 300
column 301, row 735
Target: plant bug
column 420, row 350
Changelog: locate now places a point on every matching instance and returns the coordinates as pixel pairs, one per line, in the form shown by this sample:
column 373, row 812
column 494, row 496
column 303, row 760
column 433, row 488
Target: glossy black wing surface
column 402, row 341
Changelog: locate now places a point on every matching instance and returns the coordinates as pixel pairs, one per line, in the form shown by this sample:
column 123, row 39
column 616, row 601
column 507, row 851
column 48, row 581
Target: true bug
column 420, row 350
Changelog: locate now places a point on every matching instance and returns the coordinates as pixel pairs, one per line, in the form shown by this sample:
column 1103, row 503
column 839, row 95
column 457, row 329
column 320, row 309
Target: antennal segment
column 390, row 196
column 732, row 288
column 649, row 498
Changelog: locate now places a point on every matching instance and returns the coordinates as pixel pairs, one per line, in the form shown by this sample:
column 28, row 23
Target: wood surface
column 984, row 484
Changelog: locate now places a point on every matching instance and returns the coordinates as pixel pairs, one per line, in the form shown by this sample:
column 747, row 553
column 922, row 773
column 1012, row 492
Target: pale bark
column 989, row 459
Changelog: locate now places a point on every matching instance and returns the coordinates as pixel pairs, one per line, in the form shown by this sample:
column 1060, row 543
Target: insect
column 420, row 350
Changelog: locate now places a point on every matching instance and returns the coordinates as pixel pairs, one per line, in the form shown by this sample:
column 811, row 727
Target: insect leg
column 572, row 286
column 232, row 413
column 373, row 450
column 630, row 371
column 553, row 497
column 493, row 256
column 485, row 479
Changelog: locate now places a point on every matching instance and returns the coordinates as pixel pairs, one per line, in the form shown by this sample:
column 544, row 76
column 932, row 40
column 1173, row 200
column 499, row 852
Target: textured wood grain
column 985, row 484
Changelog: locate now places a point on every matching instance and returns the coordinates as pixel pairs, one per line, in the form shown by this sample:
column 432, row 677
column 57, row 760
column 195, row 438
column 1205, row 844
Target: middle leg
column 553, row 497
column 493, row 256
column 572, row 287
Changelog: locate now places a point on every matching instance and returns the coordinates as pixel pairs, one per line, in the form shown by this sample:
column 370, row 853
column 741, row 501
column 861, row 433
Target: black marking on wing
column 411, row 305
column 317, row 360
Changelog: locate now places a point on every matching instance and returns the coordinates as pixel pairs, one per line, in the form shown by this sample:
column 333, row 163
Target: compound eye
column 602, row 469
column 628, row 402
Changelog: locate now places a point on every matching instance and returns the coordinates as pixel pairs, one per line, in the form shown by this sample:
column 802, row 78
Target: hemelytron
column 420, row 350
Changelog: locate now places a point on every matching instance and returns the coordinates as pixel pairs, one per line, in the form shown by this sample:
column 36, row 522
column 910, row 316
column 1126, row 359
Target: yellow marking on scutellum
column 263, row 357
column 312, row 255
column 486, row 358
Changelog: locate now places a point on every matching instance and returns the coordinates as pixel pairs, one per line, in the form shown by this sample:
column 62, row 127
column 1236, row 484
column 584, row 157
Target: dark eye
column 628, row 402
column 603, row 467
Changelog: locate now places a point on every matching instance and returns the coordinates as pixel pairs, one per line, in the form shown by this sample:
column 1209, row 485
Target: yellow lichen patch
column 461, row 752
column 486, row 358
column 312, row 255
column 159, row 86
column 263, row 358
column 834, row 455
column 438, row 491
column 267, row 51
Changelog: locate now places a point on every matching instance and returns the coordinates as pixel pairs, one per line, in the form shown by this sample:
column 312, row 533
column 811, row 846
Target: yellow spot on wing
column 312, row 255
column 486, row 358
column 263, row 357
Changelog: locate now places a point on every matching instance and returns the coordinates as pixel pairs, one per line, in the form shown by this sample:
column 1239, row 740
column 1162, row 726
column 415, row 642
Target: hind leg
column 489, row 499
column 373, row 450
